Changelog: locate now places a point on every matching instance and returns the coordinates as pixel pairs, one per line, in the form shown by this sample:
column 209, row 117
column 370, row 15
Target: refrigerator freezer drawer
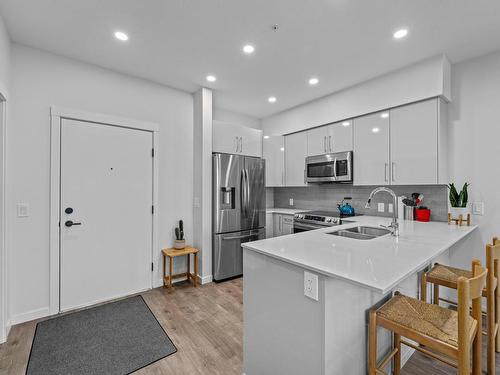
column 228, row 254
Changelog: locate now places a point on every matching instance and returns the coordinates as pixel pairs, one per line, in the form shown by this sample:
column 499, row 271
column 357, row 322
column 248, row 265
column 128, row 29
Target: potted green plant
column 458, row 201
column 180, row 242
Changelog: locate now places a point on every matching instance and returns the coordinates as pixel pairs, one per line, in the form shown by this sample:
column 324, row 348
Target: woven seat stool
column 440, row 333
column 445, row 276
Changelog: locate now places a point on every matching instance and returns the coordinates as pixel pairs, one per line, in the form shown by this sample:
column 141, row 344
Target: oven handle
column 335, row 168
column 306, row 226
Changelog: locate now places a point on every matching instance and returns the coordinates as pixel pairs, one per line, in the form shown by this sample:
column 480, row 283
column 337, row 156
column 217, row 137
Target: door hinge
column 153, row 152
column 152, row 209
column 152, row 266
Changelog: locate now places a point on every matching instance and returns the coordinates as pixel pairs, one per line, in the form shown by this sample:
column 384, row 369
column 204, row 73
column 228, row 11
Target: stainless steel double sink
column 361, row 232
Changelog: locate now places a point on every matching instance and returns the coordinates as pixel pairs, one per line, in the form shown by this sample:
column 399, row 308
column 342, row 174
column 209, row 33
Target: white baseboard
column 201, row 280
column 205, row 279
column 30, row 315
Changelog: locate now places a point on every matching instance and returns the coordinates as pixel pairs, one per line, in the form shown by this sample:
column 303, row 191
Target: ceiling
column 179, row 42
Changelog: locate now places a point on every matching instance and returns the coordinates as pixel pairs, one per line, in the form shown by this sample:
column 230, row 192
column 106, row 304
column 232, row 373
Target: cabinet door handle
column 393, row 172
column 236, row 144
column 386, row 166
column 241, row 144
column 330, row 143
column 324, row 144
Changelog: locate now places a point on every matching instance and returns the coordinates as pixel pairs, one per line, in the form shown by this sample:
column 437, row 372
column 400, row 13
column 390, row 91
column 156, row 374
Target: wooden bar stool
column 173, row 253
column 447, row 335
column 441, row 275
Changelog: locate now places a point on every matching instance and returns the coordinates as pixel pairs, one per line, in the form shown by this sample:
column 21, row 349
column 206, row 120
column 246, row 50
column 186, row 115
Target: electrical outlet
column 311, row 285
column 291, row 202
column 478, row 208
column 390, row 207
column 23, row 210
column 381, row 207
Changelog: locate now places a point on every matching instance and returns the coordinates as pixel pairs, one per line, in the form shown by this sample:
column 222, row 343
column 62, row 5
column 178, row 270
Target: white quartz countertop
column 284, row 211
column 379, row 264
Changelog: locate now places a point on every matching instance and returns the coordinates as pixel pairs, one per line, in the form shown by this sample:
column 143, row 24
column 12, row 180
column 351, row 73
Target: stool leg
column 170, row 272
column 491, row 330
column 164, row 270
column 478, row 341
column 497, row 309
column 436, row 294
column 372, row 344
column 397, row 356
column 423, row 287
column 188, row 274
column 195, row 269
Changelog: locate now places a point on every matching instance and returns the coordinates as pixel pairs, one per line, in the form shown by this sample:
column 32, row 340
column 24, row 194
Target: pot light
column 375, row 130
column 401, row 33
column 211, row 78
column 384, row 115
column 266, row 137
column 120, row 35
column 313, row 81
column 346, row 123
column 271, row 99
column 248, row 49
column 282, row 149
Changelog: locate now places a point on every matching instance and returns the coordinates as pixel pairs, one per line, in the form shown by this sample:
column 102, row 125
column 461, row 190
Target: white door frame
column 4, row 324
column 57, row 114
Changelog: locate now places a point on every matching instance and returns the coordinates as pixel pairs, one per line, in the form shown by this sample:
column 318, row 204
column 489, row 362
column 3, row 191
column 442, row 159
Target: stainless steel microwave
column 335, row 167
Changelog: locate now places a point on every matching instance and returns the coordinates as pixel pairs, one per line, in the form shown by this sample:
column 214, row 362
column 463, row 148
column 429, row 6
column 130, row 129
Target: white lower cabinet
column 282, row 224
column 295, row 159
column 269, row 226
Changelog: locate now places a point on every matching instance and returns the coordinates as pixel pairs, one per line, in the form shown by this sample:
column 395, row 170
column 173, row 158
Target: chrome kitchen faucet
column 394, row 227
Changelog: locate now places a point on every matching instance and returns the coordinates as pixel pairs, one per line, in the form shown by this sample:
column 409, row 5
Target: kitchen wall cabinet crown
column 236, row 139
column 273, row 151
column 402, row 146
column 330, row 138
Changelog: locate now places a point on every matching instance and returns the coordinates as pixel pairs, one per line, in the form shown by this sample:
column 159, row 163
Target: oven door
column 304, row 227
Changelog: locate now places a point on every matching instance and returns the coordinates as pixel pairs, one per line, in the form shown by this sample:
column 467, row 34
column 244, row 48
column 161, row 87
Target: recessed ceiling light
column 346, row 123
column 384, row 115
column 120, row 35
column 211, row 78
column 266, row 137
column 248, row 49
column 271, row 99
column 401, row 33
column 282, row 149
column 375, row 130
column 313, row 81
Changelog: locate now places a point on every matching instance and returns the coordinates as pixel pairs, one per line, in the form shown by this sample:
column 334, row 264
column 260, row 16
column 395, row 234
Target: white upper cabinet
column 340, row 136
column 371, row 149
column 295, row 159
column 330, row 138
column 236, row 139
column 273, row 151
column 414, row 143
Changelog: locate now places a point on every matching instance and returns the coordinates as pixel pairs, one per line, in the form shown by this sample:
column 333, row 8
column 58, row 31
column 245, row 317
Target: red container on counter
column 423, row 214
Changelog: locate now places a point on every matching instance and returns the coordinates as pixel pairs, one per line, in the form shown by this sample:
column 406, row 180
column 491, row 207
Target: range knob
column 328, row 220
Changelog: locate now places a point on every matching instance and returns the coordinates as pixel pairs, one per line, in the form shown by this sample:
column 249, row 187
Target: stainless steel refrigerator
column 239, row 213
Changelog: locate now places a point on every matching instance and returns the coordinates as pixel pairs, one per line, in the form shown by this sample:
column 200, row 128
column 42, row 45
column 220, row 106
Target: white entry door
column 106, row 212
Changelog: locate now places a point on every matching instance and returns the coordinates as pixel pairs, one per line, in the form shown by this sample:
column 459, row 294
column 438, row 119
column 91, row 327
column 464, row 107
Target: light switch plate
column 381, row 207
column 291, row 202
column 23, row 210
column 311, row 285
column 478, row 208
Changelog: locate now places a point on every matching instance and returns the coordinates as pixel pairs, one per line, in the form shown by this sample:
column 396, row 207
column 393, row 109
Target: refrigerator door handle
column 240, row 237
column 242, row 191
column 247, row 207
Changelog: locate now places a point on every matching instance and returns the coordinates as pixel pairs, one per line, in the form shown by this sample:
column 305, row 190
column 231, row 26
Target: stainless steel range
column 310, row 220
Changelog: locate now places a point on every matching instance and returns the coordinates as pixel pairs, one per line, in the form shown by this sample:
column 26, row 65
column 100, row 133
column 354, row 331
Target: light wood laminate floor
column 205, row 324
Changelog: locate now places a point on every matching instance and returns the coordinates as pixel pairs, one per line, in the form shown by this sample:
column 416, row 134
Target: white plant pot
column 457, row 211
column 179, row 244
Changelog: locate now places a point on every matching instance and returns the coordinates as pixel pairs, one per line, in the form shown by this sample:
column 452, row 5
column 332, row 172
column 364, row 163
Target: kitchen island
column 286, row 332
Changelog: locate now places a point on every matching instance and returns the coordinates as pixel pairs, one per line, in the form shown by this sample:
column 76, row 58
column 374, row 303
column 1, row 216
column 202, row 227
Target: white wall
column 426, row 79
column 4, row 82
column 474, row 117
column 40, row 80
column 236, row 118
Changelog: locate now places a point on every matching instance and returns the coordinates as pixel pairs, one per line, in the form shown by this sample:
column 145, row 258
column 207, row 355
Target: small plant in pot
column 458, row 201
column 180, row 242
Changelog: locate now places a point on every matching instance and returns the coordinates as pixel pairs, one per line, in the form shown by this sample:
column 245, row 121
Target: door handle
column 393, row 171
column 330, row 143
column 324, row 144
column 239, row 237
column 386, row 166
column 69, row 223
column 236, row 144
column 335, row 169
column 241, row 144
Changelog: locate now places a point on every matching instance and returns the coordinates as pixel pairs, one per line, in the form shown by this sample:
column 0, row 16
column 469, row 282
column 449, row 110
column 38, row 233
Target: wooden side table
column 171, row 254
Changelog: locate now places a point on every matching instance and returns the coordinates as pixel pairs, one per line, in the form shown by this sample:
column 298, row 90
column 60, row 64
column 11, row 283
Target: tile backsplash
column 327, row 196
